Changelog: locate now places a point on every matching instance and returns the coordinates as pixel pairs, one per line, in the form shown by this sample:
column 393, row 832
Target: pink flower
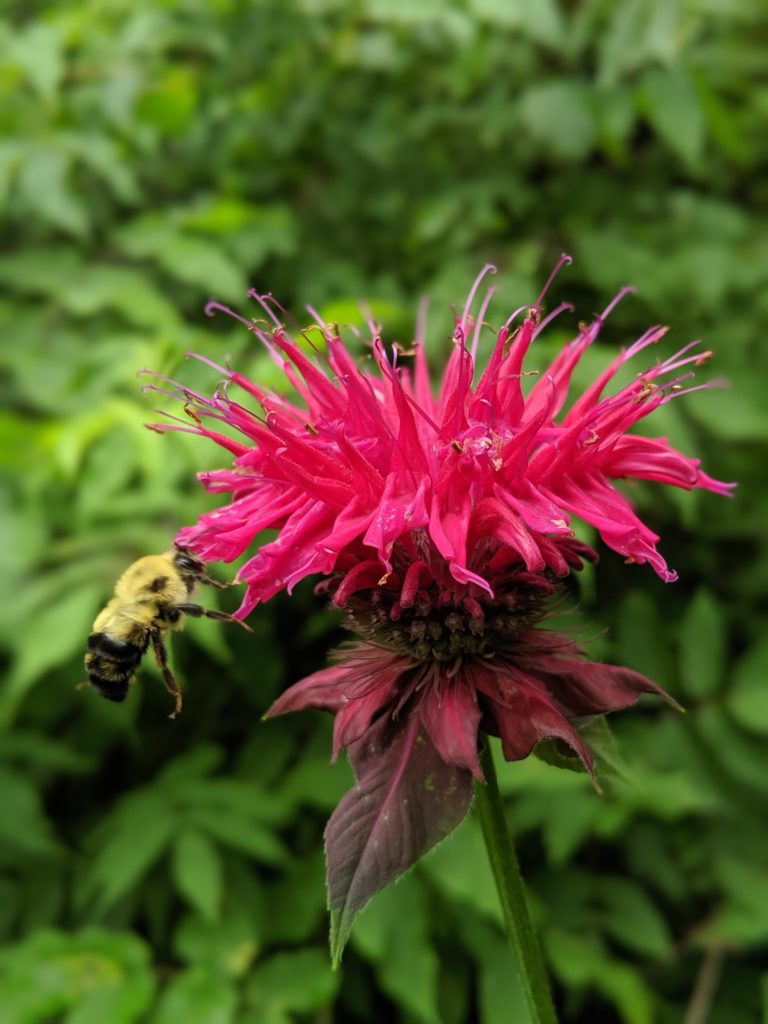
column 441, row 521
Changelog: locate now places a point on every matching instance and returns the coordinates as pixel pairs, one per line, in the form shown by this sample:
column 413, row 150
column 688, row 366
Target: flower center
column 444, row 625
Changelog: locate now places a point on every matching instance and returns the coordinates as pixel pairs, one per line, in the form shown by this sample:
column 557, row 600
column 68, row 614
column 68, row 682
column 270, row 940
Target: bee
column 151, row 597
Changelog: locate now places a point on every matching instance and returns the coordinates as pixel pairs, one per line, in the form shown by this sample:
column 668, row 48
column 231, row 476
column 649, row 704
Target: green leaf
column 201, row 263
column 197, row 872
column 96, row 975
column 541, row 21
column 582, row 962
column 640, row 636
column 558, row 115
column 123, row 1004
column 129, row 292
column 44, row 182
column 37, row 50
column 615, row 116
column 298, row 982
column 187, row 257
column 185, row 770
column 459, row 867
column 551, row 752
column 138, row 835
column 197, row 996
column 569, row 821
column 106, row 158
column 296, row 901
column 23, row 824
column 702, row 644
column 394, row 933
column 631, row 917
column 608, row 760
column 229, row 945
column 64, row 626
column 244, row 797
column 170, row 103
column 669, row 99
column 501, row 996
column 748, row 698
column 239, row 832
column 315, row 781
column 652, row 858
column 744, row 916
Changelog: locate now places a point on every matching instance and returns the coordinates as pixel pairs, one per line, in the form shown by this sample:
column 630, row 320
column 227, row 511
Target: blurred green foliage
column 153, row 155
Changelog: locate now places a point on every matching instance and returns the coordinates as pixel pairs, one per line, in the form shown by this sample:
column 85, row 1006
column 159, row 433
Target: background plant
column 154, row 155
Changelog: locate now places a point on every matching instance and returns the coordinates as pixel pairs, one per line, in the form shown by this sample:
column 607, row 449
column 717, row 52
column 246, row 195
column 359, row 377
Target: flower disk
column 441, row 521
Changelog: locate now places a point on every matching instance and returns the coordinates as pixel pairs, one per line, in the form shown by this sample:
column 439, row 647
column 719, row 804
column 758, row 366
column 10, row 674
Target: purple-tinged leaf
column 406, row 800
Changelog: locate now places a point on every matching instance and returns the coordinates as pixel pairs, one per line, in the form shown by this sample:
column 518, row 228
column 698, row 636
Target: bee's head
column 188, row 565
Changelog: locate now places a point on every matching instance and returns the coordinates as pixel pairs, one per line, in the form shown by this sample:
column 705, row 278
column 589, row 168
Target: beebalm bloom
column 440, row 520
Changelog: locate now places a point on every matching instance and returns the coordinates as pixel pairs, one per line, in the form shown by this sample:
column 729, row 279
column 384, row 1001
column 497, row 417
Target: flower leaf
column 406, row 800
column 197, row 872
column 555, row 753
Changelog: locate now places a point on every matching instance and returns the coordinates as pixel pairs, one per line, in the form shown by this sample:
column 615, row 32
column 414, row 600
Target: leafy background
column 155, row 154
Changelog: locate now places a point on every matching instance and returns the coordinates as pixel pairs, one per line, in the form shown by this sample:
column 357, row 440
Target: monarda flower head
column 440, row 521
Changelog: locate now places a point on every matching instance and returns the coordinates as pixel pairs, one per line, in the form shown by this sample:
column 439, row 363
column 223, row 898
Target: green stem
column 511, row 888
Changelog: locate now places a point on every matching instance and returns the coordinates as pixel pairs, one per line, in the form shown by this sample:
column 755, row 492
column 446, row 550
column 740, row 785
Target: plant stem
column 706, row 986
column 511, row 889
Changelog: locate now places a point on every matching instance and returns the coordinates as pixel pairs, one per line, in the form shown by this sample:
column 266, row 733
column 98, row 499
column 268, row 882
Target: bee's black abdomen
column 111, row 664
column 112, row 689
column 119, row 652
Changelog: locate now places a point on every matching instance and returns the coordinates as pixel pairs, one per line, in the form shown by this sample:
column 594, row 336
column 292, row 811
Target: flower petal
column 524, row 714
column 450, row 714
column 591, row 688
column 323, row 690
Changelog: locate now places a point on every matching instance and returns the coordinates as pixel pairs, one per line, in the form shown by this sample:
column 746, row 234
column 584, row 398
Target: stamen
column 208, row 362
column 374, row 327
column 651, row 337
column 718, row 382
column 562, row 308
column 424, row 415
column 489, row 268
column 565, row 260
column 213, row 307
column 316, row 316
column 674, row 362
column 421, row 321
column 513, row 316
column 262, row 301
column 481, row 322
column 628, row 289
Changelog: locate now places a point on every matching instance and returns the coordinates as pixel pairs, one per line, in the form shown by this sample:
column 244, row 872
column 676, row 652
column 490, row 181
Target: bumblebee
column 151, row 597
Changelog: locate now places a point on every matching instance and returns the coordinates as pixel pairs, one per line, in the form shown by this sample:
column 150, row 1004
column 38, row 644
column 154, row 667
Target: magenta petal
column 322, row 690
column 401, row 508
column 406, row 799
column 451, row 717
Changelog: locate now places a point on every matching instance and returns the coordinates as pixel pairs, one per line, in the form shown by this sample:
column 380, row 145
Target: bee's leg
column 213, row 583
column 161, row 657
column 196, row 611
